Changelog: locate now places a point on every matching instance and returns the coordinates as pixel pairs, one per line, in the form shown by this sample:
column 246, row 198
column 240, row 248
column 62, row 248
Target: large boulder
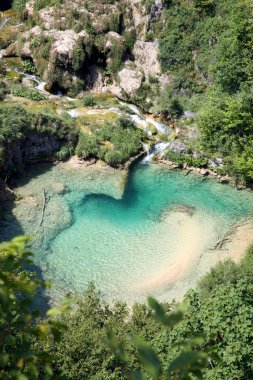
column 146, row 57
column 130, row 79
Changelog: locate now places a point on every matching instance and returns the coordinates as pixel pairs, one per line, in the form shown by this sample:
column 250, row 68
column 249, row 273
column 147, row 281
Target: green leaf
column 4, row 358
column 187, row 361
column 148, row 357
column 170, row 319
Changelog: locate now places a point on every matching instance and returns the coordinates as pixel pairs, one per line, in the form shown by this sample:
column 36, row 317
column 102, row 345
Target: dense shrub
column 28, row 66
column 123, row 138
column 29, row 93
column 226, row 126
column 3, row 90
column 182, row 158
column 18, row 287
column 89, row 100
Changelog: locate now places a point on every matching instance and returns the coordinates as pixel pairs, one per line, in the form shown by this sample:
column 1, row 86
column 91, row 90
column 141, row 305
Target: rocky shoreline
column 205, row 172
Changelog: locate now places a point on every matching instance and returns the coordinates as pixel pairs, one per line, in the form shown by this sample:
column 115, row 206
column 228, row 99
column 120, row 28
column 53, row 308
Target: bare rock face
column 61, row 59
column 111, row 38
column 146, row 57
column 11, row 50
column 64, row 45
column 75, row 46
column 130, row 80
column 28, row 83
column 47, row 17
column 30, row 8
column 26, row 50
column 140, row 17
column 29, row 149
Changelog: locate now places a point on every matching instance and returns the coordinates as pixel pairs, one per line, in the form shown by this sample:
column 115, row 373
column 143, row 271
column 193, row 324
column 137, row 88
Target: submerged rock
column 179, row 208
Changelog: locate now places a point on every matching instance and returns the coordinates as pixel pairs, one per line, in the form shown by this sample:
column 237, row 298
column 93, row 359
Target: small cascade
column 161, row 128
column 4, row 22
column 73, row 113
column 141, row 121
column 132, row 107
column 41, row 87
column 158, row 148
column 40, row 84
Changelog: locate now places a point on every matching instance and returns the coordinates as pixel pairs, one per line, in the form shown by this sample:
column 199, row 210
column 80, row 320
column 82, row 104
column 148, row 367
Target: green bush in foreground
column 18, row 358
column 208, row 336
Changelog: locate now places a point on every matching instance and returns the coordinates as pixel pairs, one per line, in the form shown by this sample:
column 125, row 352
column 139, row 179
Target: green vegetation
column 28, row 66
column 226, row 125
column 19, row 6
column 208, row 336
column 182, row 158
column 16, row 123
column 89, row 100
column 28, row 93
column 113, row 143
column 18, row 286
column 3, row 90
column 116, row 57
column 206, row 47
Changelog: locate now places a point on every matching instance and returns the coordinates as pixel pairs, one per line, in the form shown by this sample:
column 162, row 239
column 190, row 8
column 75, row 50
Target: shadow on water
column 128, row 200
column 31, row 171
column 10, row 226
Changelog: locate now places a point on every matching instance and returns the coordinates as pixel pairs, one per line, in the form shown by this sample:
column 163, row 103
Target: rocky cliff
column 96, row 46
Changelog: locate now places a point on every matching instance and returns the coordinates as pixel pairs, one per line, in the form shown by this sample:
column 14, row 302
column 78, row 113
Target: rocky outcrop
column 146, row 57
column 97, row 46
column 33, row 147
column 130, row 79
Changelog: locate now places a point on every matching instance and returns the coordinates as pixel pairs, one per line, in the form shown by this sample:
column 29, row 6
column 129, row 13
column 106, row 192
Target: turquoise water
column 127, row 246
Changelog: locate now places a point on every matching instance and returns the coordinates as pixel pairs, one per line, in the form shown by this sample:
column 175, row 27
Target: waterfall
column 4, row 22
column 161, row 128
column 158, row 148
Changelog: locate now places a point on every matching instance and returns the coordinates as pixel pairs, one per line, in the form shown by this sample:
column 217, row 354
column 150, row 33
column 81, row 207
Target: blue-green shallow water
column 123, row 245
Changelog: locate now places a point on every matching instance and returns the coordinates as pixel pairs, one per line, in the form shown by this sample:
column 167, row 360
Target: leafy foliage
column 226, row 125
column 207, row 336
column 206, row 47
column 28, row 93
column 28, row 66
column 89, row 100
column 182, row 158
column 16, row 123
column 3, row 90
column 114, row 143
column 18, row 359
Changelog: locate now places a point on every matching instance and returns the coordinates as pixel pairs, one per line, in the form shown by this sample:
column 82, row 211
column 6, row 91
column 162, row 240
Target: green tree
column 18, row 358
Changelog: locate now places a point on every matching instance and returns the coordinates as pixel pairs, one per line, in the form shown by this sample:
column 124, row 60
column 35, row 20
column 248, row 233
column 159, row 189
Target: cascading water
column 5, row 21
